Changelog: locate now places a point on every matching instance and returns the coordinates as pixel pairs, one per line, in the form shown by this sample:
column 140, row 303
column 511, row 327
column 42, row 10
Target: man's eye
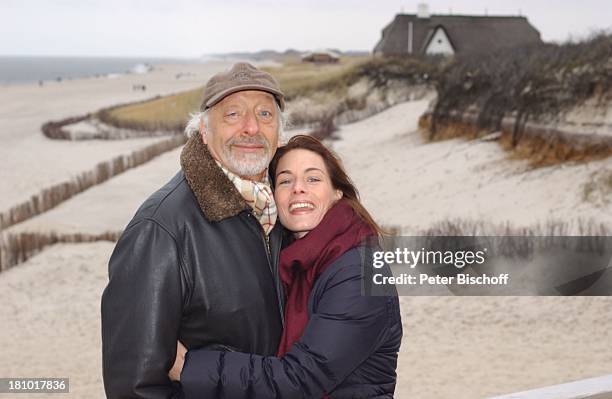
column 233, row 115
column 265, row 114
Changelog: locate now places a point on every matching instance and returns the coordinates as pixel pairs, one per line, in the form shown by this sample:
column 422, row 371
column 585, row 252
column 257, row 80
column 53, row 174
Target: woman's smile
column 301, row 207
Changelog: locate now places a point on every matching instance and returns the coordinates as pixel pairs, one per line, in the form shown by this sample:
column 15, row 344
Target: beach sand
column 50, row 312
column 407, row 182
column 37, row 162
column 452, row 347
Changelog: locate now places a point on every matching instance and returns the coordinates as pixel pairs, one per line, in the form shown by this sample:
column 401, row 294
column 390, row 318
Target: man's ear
column 203, row 131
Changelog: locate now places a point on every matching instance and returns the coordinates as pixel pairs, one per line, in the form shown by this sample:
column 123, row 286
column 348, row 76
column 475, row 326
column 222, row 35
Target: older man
column 197, row 263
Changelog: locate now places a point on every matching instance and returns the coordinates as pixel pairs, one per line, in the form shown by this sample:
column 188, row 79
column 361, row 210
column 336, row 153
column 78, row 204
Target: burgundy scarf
column 302, row 262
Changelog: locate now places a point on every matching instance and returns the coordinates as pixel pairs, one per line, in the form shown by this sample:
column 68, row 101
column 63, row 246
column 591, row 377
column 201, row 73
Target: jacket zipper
column 275, row 273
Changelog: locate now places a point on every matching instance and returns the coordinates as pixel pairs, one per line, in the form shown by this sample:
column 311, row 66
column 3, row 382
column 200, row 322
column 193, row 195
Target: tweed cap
column 242, row 76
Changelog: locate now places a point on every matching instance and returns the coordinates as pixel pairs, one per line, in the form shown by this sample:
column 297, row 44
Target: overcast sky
column 190, row 28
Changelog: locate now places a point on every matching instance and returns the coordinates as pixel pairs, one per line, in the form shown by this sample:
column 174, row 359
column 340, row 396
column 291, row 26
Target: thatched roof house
column 321, row 56
column 422, row 34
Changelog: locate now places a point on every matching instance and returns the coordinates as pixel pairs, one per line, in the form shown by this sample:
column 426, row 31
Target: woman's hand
column 175, row 371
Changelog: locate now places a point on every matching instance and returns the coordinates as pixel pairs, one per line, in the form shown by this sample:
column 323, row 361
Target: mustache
column 257, row 139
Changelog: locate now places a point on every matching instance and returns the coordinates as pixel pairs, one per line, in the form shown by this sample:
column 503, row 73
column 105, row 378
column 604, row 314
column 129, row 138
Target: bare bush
column 526, row 82
column 325, row 129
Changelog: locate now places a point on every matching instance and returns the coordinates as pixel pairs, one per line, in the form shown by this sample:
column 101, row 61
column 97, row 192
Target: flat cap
column 242, row 76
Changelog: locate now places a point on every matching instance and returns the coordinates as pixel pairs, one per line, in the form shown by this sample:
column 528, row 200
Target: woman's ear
column 338, row 194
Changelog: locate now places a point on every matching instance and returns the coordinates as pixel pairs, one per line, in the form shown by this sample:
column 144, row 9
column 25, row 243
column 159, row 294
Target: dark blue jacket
column 349, row 349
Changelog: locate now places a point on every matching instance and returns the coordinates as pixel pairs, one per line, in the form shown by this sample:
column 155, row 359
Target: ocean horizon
column 28, row 69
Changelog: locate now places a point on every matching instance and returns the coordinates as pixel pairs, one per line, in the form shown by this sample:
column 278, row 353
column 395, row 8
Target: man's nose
column 251, row 124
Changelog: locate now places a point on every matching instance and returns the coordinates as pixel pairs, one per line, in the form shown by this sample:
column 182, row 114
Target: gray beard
column 248, row 164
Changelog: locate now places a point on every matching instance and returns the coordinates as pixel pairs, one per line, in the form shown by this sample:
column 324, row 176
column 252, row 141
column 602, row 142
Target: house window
column 439, row 43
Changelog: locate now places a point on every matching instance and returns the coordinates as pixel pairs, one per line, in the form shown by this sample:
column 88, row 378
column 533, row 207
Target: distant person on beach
column 336, row 342
column 198, row 263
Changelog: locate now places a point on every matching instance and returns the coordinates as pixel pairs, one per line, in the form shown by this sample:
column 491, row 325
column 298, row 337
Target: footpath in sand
column 452, row 347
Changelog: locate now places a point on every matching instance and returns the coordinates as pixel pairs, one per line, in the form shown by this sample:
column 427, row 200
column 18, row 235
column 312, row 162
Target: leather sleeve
column 343, row 331
column 141, row 313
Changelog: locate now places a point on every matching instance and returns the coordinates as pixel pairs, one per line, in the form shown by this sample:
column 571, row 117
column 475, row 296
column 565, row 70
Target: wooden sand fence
column 18, row 248
column 50, row 197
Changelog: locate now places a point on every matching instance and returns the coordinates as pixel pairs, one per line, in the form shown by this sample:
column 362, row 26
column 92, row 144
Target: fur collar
column 216, row 194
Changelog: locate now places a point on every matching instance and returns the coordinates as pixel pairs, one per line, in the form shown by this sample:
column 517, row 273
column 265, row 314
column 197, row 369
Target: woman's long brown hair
column 339, row 178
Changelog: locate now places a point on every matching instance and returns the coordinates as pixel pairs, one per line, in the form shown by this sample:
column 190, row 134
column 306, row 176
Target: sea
column 27, row 69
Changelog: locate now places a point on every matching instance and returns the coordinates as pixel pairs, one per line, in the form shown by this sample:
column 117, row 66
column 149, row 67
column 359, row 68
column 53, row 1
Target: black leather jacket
column 193, row 265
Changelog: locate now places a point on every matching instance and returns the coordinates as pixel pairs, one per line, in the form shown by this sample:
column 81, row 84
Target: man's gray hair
column 193, row 125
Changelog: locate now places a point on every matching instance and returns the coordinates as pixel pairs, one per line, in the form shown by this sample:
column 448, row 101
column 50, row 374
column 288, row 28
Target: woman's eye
column 281, row 182
column 313, row 179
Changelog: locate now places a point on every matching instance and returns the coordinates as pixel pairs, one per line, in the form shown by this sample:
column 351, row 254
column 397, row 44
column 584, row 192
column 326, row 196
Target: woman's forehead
column 301, row 160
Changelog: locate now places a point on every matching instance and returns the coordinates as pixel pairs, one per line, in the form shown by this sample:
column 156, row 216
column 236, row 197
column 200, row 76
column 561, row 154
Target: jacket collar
column 217, row 196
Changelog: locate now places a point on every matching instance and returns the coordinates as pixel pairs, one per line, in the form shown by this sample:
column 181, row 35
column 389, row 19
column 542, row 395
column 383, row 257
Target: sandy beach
column 469, row 347
column 37, row 162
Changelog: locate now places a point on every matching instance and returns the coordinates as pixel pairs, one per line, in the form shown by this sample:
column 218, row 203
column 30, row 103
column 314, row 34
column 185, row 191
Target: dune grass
column 166, row 113
column 298, row 78
column 171, row 112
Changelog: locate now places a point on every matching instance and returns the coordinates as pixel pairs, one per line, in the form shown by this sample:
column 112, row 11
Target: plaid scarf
column 258, row 195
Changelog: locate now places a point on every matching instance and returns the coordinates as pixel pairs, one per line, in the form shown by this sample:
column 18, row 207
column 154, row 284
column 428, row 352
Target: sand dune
column 408, row 182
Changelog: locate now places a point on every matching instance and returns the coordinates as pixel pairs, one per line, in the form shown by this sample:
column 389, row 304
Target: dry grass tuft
column 541, row 147
column 449, row 129
column 161, row 113
column 550, row 228
column 325, row 129
column 302, row 79
column 554, row 149
column 598, row 189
